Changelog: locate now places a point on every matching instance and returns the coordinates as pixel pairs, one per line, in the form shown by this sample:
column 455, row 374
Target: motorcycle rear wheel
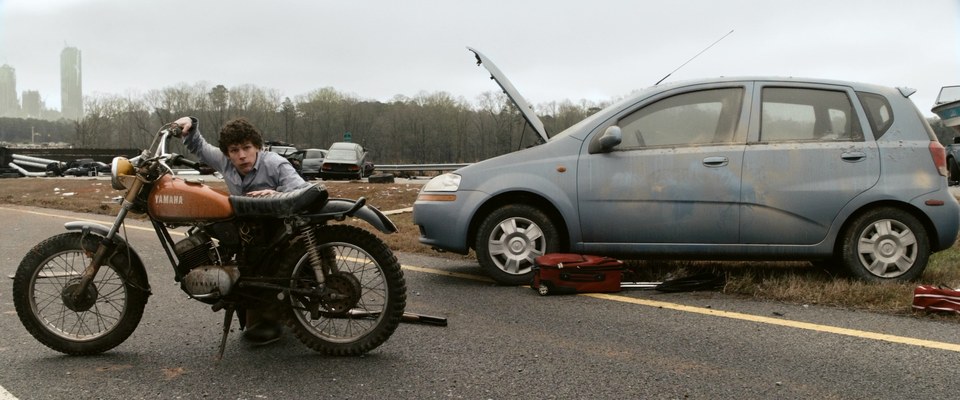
column 103, row 318
column 370, row 292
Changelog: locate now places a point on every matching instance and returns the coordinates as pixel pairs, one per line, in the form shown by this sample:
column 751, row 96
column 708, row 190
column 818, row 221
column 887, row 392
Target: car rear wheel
column 509, row 240
column 885, row 244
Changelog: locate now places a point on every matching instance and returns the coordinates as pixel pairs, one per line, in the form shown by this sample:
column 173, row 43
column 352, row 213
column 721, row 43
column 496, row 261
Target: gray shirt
column 271, row 171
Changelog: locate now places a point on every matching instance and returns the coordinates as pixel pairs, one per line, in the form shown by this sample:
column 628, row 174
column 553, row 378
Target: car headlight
column 443, row 183
column 448, row 183
column 121, row 173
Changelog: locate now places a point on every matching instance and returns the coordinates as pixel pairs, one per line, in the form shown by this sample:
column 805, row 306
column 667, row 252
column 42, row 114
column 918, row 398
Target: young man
column 247, row 171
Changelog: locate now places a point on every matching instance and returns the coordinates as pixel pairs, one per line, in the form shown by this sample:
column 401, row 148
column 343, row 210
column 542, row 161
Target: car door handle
column 714, row 162
column 853, row 156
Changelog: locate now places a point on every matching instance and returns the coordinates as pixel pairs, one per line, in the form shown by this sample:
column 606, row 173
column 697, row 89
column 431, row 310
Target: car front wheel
column 886, row 244
column 510, row 239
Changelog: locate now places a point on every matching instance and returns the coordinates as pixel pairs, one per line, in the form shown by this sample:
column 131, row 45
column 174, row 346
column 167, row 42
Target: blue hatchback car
column 732, row 168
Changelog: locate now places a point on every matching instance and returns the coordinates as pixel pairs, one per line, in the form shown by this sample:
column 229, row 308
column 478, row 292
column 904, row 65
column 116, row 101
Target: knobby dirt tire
column 365, row 257
column 52, row 265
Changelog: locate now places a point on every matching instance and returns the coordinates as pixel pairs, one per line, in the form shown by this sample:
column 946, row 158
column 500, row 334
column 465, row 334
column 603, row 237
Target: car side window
column 794, row 114
column 878, row 112
column 695, row 118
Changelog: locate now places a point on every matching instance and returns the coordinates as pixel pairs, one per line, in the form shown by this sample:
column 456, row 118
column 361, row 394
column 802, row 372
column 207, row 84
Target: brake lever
column 172, row 129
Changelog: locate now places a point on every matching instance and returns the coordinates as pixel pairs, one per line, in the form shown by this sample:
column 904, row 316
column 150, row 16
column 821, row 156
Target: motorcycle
column 337, row 286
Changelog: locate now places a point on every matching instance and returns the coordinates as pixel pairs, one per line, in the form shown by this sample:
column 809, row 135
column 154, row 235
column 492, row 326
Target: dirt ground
column 94, row 195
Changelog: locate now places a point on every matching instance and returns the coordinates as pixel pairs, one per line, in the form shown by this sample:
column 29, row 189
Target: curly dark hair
column 239, row 131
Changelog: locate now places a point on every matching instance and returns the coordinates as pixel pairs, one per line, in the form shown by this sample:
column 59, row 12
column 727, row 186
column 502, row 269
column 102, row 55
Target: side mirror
column 610, row 138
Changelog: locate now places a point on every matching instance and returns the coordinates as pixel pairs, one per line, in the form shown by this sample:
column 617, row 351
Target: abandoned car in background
column 345, row 160
column 843, row 173
column 312, row 160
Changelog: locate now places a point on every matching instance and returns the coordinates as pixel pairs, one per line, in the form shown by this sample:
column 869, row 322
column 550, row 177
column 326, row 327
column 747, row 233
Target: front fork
column 107, row 245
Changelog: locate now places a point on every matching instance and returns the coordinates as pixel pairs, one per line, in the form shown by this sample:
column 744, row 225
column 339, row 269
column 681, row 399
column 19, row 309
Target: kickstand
column 227, row 319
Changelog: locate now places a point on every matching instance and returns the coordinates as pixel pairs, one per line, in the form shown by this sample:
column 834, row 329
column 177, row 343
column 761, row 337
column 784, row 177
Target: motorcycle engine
column 210, row 281
column 204, row 275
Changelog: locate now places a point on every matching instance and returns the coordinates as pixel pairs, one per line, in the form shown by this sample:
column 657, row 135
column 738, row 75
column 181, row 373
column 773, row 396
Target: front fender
column 370, row 214
column 123, row 255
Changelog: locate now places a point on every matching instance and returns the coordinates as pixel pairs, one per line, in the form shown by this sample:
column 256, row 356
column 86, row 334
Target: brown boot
column 262, row 328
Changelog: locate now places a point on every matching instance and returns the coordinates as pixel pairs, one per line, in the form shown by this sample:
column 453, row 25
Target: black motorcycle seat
column 280, row 204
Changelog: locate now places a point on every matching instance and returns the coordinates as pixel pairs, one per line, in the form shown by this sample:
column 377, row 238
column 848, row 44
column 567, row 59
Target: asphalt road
column 501, row 342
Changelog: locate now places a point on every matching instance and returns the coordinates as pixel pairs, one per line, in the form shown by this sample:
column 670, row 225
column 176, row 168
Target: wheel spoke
column 496, row 248
column 511, row 265
column 907, row 238
column 904, row 262
column 882, row 227
column 533, row 233
column 878, row 267
column 508, row 226
column 532, row 256
column 866, row 245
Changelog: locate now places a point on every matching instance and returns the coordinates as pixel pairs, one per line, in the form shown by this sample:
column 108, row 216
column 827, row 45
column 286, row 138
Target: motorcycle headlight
column 121, row 173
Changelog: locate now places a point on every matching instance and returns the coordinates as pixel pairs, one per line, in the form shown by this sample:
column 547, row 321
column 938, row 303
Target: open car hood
column 513, row 94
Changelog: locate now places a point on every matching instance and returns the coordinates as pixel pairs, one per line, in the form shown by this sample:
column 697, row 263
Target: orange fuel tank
column 176, row 200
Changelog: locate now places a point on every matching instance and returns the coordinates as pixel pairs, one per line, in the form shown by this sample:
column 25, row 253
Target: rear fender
column 336, row 208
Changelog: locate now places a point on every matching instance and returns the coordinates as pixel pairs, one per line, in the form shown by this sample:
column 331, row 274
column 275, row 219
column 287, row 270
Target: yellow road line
column 731, row 315
column 780, row 322
column 447, row 273
column 72, row 218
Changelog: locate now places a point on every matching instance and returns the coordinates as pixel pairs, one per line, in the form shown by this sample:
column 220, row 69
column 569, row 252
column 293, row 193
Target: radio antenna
column 691, row 58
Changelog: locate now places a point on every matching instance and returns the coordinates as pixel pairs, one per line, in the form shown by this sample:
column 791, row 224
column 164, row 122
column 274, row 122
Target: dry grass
column 793, row 282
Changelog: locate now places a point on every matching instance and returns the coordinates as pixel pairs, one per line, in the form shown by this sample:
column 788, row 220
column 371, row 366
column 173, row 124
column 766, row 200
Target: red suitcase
column 565, row 273
column 936, row 298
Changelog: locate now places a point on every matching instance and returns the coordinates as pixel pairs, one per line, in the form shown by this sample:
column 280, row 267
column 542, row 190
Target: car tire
column 885, row 244
column 380, row 178
column 510, row 238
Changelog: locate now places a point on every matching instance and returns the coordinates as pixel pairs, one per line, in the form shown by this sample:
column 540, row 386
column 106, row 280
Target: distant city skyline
column 9, row 105
column 30, row 103
column 71, row 83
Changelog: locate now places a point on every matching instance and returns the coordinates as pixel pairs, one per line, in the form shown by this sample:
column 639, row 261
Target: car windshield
column 948, row 94
column 341, row 155
column 282, row 150
column 596, row 118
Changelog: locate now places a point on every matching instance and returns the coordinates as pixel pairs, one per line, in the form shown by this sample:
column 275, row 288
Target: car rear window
column 878, row 112
column 798, row 114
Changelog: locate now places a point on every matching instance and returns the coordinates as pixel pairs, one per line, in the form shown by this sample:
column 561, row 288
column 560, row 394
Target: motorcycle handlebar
column 181, row 160
column 173, row 130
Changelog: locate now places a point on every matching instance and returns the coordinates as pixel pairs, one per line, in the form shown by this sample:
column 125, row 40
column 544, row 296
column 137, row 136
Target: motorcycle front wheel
column 357, row 305
column 45, row 295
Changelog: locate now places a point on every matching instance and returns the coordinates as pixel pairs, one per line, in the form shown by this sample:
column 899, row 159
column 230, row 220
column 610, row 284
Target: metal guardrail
column 36, row 162
column 419, row 167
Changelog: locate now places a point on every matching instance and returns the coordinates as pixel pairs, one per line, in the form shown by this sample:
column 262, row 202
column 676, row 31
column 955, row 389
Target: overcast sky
column 551, row 49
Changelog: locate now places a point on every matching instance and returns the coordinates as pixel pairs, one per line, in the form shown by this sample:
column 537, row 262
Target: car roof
column 858, row 86
column 533, row 120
